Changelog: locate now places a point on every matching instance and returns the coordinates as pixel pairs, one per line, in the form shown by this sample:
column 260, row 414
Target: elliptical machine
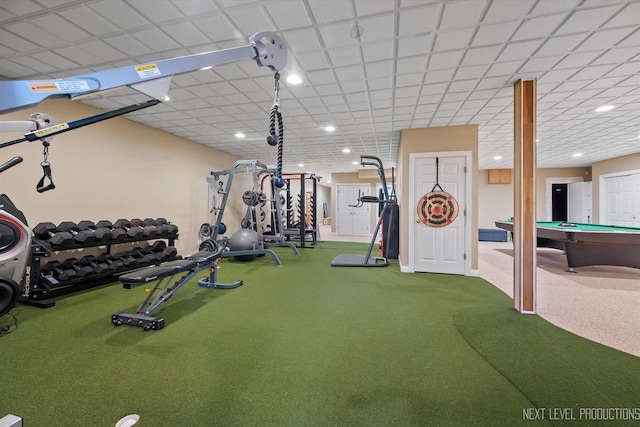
column 15, row 241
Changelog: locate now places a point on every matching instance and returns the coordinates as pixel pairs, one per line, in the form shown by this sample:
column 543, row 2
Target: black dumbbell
column 74, row 264
column 48, row 231
column 101, row 235
column 112, row 263
column 142, row 257
column 169, row 253
column 82, row 237
column 166, row 229
column 156, row 249
column 149, row 230
column 133, row 232
column 118, row 235
column 55, row 269
column 127, row 260
column 91, row 261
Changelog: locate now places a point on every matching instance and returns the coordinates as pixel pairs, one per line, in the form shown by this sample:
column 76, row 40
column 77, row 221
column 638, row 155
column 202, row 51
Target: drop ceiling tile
column 538, row 27
column 508, row 10
column 591, row 18
column 313, row 61
column 324, row 11
column 412, row 80
column 616, row 56
column 367, row 7
column 345, row 56
column 328, row 89
column 604, row 39
column 155, row 39
column 161, row 11
column 445, row 60
column 119, row 13
column 627, row 16
column 376, row 28
column 350, row 73
column 416, row 21
column 494, row 33
column 378, row 51
column 472, row 72
column 540, row 64
column 215, row 26
column 451, row 40
column 592, row 72
column 194, row 7
column 414, row 45
column 288, row 14
column 355, row 86
column 337, row 35
column 481, row 55
column 410, row 65
column 440, row 76
column 34, row 34
column 518, row 50
column 185, row 33
column 461, row 14
column 577, row 60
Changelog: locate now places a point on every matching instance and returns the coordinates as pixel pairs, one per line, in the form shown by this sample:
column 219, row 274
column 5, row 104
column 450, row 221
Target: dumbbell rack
column 37, row 291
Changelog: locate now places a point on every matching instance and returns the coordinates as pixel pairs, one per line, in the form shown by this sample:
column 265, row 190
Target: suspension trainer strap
column 46, row 170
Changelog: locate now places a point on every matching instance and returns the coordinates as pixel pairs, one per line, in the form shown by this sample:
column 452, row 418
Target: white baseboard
column 474, row 273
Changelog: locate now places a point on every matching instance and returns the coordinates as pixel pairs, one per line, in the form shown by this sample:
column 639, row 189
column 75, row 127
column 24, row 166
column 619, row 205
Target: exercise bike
column 15, row 241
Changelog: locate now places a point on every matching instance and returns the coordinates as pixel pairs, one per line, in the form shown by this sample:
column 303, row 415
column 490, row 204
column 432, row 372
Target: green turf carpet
column 306, row 344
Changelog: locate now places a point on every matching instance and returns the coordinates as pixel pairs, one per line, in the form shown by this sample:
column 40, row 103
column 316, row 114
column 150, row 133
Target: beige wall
column 114, row 169
column 495, row 201
column 619, row 164
column 438, row 139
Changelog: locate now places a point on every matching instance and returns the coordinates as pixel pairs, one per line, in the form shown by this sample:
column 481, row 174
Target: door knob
column 418, row 221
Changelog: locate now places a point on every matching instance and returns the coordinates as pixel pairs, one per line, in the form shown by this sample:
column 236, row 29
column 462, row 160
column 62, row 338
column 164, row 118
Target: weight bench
column 166, row 286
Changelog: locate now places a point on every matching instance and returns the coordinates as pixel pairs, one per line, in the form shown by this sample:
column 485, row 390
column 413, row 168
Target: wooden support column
column 525, row 110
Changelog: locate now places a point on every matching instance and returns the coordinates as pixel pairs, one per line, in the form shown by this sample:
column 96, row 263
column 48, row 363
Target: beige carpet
column 601, row 303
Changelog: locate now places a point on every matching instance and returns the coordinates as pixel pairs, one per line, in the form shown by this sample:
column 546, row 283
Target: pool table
column 588, row 244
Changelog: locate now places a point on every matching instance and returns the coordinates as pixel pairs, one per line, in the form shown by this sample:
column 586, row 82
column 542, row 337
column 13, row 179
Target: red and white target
column 437, row 209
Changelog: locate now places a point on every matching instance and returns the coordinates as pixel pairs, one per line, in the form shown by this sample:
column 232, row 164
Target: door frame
column 603, row 195
column 548, row 192
column 466, row 207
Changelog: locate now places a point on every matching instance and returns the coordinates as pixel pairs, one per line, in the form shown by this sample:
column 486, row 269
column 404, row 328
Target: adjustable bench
column 164, row 274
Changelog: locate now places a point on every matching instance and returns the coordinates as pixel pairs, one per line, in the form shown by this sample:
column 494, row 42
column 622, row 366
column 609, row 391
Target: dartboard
column 437, row 209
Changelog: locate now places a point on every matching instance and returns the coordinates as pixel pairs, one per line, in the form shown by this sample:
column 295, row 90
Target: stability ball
column 244, row 239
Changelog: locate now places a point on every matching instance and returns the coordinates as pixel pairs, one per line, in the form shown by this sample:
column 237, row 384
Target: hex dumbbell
column 133, row 231
column 48, row 231
column 55, row 269
column 74, row 264
column 81, row 237
column 118, row 235
column 148, row 230
column 101, row 234
column 112, row 263
column 164, row 228
column 91, row 261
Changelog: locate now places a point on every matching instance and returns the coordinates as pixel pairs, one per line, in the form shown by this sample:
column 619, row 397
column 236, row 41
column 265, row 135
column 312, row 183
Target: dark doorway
column 558, row 202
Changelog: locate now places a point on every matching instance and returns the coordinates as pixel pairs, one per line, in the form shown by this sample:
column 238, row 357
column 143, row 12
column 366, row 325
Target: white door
column 352, row 221
column 440, row 249
column 623, row 194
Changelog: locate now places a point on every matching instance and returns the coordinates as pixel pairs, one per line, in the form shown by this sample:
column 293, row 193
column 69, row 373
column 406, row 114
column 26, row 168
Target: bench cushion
column 155, row 272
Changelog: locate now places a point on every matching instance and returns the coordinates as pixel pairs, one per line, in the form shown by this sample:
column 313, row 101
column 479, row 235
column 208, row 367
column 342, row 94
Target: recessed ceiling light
column 206, row 68
column 330, row 128
column 577, row 154
column 346, row 150
column 294, row 79
column 605, row 108
column 537, row 140
column 166, row 98
column 301, row 165
column 240, row 135
column 328, row 181
column 354, row 163
column 497, row 157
